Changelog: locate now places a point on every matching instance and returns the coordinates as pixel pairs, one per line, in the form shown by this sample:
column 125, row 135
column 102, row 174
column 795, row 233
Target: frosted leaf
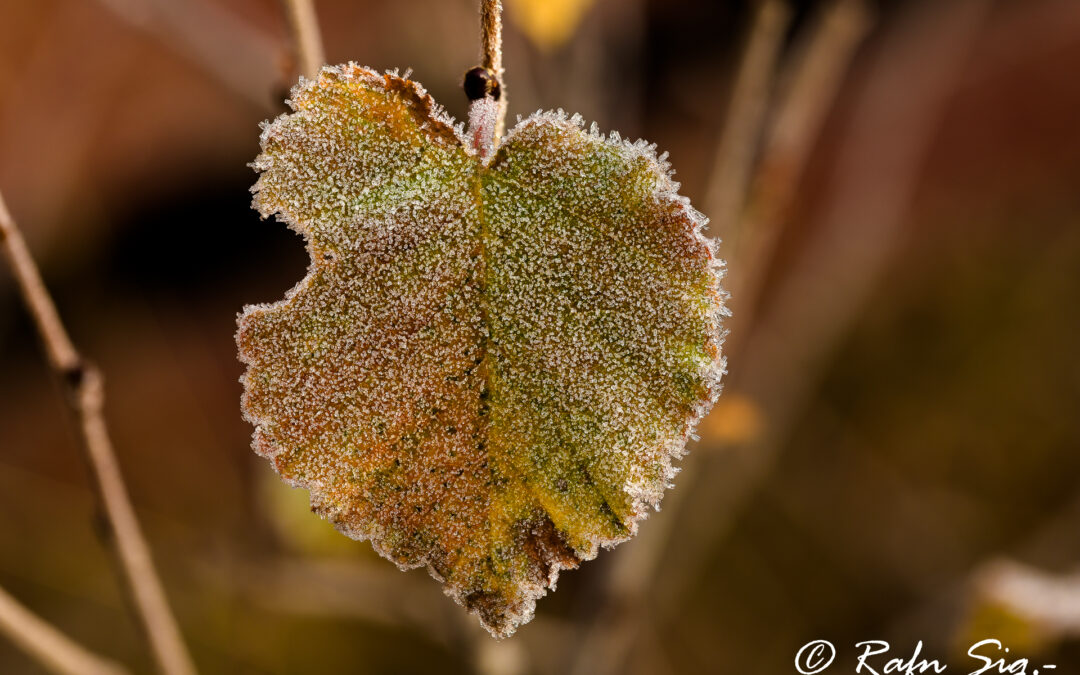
column 488, row 369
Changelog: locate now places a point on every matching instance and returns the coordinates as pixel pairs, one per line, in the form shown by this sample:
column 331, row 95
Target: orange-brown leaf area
column 489, row 368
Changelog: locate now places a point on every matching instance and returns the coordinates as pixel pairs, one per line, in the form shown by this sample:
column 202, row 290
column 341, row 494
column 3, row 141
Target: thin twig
column 44, row 642
column 304, row 25
column 745, row 118
column 808, row 88
column 84, row 385
column 491, row 55
column 491, row 35
column 877, row 171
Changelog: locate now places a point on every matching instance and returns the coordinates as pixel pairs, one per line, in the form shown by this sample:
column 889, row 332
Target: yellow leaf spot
column 548, row 23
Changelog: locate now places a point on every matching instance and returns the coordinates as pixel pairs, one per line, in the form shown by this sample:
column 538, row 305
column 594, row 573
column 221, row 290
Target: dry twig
column 745, row 117
column 807, row 90
column 304, row 25
column 483, row 84
column 492, row 57
column 877, row 171
column 42, row 641
column 83, row 384
column 491, row 36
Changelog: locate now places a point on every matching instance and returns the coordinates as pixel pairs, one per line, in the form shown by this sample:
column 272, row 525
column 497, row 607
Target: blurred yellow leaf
column 734, row 419
column 548, row 23
column 1030, row 610
column 289, row 512
column 1020, row 633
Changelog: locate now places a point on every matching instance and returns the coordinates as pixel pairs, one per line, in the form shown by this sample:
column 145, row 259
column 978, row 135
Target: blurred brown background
column 896, row 454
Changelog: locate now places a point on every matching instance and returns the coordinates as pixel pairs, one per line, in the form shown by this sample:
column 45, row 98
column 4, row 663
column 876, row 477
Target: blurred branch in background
column 892, row 127
column 806, row 92
column 347, row 589
column 382, row 595
column 307, row 40
column 746, row 113
column 244, row 59
column 84, row 386
column 344, row 589
column 54, row 650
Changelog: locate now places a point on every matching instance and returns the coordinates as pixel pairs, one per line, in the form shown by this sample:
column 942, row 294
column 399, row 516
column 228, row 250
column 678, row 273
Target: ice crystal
column 490, row 366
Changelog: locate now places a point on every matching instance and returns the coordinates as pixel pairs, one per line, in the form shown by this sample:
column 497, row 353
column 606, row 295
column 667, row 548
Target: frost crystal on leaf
column 490, row 366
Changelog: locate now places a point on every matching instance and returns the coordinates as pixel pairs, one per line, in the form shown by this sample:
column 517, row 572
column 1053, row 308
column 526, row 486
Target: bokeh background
column 897, row 452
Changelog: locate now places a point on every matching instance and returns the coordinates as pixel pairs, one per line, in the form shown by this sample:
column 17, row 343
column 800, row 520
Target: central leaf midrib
column 488, row 373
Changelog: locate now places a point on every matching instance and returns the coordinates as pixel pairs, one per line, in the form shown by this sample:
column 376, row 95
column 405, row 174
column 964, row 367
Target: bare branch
column 84, row 385
column 745, row 117
column 807, row 91
column 878, row 167
column 61, row 353
column 491, row 58
column 491, row 35
column 305, row 30
column 44, row 642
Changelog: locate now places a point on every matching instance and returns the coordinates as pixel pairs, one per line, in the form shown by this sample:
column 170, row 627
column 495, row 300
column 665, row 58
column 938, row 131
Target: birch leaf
column 488, row 369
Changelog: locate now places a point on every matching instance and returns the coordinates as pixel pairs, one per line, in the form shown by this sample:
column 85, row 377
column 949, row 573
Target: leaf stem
column 44, row 642
column 83, row 384
column 491, row 35
column 304, row 24
column 487, row 115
